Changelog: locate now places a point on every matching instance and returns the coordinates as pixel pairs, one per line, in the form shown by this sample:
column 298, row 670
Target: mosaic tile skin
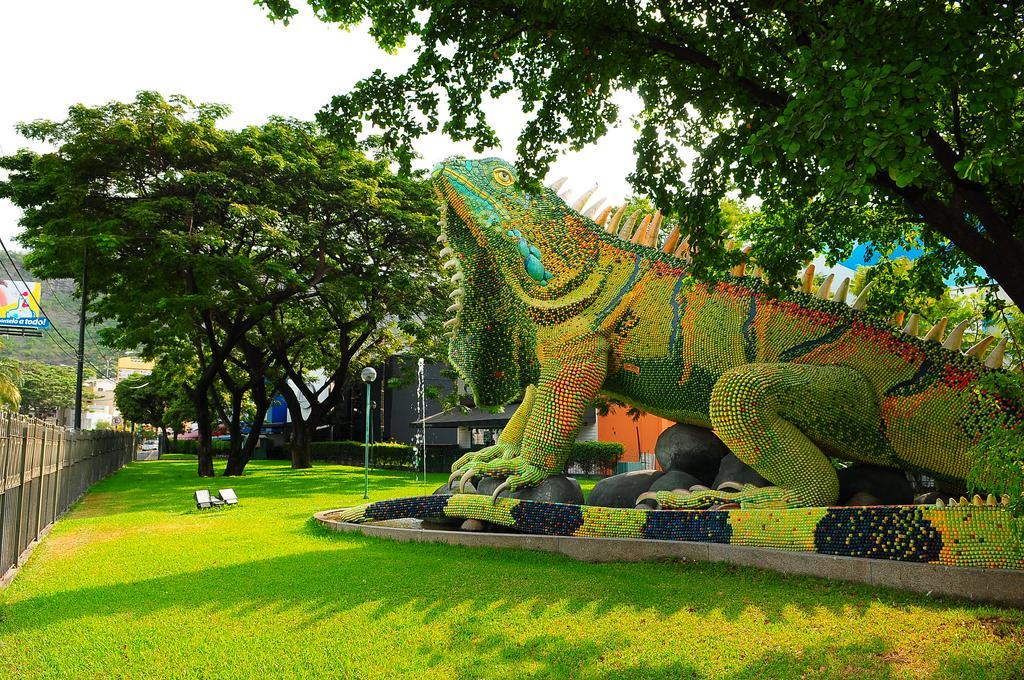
column 549, row 304
column 968, row 536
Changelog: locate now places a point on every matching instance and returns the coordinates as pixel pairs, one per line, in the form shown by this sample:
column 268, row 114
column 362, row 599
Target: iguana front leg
column 571, row 374
column 508, row 443
column 772, row 416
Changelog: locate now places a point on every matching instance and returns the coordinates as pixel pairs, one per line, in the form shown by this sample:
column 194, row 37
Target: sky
column 57, row 54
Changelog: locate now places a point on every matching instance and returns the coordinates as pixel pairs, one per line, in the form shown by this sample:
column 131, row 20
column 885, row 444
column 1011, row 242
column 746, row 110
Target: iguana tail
column 974, row 535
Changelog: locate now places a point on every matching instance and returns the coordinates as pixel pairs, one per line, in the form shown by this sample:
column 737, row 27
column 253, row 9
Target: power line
column 95, row 340
column 72, row 355
column 39, row 304
column 56, row 345
column 33, row 297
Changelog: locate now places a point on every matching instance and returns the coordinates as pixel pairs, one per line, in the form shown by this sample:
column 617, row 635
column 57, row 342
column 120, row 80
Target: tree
column 385, row 296
column 139, row 400
column 46, row 389
column 190, row 234
column 148, row 399
column 193, row 235
column 854, row 121
column 10, row 395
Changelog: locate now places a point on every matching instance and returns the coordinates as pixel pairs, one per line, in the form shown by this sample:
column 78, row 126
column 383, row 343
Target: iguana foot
column 467, row 462
column 517, row 471
column 749, row 496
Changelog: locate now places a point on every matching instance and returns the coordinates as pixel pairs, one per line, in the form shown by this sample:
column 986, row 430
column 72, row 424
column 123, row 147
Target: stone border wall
column 998, row 586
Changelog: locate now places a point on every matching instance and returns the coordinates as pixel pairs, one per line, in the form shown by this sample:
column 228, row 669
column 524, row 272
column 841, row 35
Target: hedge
column 592, row 457
column 191, row 446
column 382, row 454
column 595, row 457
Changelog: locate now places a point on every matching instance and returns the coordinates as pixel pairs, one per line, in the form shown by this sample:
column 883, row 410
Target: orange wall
column 618, row 426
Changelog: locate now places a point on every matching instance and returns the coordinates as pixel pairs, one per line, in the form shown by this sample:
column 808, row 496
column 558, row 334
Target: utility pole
column 81, row 337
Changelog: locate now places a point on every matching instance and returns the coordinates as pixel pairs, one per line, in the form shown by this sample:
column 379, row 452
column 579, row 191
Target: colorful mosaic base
column 974, row 536
column 547, row 299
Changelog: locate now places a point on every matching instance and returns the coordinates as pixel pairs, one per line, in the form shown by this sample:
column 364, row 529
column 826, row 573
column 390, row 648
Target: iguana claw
column 646, row 496
column 504, row 486
column 468, row 475
column 749, row 496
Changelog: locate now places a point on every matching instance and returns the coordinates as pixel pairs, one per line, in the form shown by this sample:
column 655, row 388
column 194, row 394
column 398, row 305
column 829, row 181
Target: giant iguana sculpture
column 549, row 300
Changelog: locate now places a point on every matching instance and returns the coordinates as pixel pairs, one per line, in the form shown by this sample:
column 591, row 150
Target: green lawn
column 133, row 583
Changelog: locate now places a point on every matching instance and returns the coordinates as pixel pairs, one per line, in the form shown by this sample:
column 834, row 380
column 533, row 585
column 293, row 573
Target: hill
column 61, row 307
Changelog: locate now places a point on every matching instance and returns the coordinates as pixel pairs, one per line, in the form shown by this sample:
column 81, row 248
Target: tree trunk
column 302, row 437
column 235, row 464
column 205, row 444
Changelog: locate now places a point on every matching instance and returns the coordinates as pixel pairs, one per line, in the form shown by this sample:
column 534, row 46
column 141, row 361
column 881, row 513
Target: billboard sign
column 19, row 305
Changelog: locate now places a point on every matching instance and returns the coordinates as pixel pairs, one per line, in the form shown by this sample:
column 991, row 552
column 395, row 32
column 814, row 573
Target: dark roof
column 474, row 417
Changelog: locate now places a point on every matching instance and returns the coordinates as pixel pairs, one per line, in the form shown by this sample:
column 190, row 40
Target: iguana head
column 505, row 248
column 535, row 239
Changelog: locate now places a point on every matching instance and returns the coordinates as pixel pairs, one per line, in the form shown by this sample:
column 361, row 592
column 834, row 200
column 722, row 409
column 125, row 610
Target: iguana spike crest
column 842, row 290
column 913, row 324
column 808, row 279
column 627, row 228
column 979, row 349
column 616, row 218
column 582, row 200
column 956, row 336
column 935, row 333
column 672, row 241
column 641, row 231
column 862, row 300
column 826, row 286
column 995, row 359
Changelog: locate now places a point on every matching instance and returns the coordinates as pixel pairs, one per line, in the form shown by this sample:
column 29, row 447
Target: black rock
column 889, row 486
column 862, row 498
column 620, row 491
column 735, row 470
column 692, row 449
column 487, row 485
column 674, row 479
column 555, row 489
column 445, row 490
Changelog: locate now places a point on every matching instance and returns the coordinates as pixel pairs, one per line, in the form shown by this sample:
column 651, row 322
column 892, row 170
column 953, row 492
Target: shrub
column 595, row 457
column 191, row 446
column 998, row 450
column 382, row 454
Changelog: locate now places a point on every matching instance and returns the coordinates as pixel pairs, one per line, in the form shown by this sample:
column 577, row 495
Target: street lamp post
column 368, row 375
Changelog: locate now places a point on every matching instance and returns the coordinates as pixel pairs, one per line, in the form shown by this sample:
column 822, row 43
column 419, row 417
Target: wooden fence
column 45, row 468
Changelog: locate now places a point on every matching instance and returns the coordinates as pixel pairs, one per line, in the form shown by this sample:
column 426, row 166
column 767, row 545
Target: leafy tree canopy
column 193, row 235
column 884, row 122
column 46, row 389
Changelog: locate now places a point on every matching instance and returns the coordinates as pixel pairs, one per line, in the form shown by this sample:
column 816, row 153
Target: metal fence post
column 21, row 494
column 41, row 484
column 57, row 476
column 8, row 426
column 70, row 461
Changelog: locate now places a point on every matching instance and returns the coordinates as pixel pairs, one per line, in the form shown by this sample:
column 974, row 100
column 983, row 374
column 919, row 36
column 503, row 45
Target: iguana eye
column 504, row 177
